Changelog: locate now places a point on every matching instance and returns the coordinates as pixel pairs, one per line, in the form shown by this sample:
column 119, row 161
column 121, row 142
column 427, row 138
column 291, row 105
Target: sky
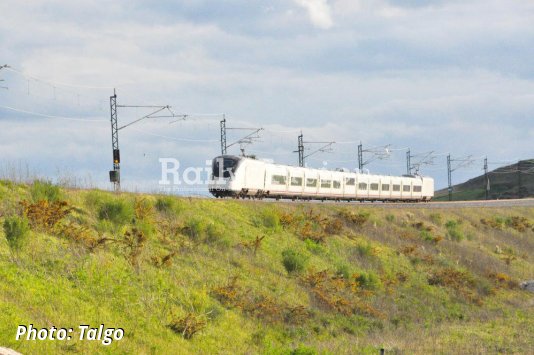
column 448, row 77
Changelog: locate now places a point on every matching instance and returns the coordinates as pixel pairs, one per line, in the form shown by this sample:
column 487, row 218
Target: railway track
column 527, row 202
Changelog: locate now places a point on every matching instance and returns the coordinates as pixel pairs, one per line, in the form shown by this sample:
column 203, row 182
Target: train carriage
column 234, row 176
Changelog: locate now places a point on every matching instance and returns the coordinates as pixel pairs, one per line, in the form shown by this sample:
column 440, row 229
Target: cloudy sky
column 445, row 76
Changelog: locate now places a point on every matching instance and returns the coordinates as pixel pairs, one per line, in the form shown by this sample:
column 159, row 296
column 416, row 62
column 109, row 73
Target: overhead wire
column 51, row 116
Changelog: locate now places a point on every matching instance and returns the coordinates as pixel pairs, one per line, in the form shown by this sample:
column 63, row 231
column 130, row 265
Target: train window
column 396, row 187
column 362, row 186
column 336, row 184
column 311, row 182
column 405, row 188
column 350, row 181
column 374, row 187
column 278, row 180
column 326, row 184
column 416, row 188
column 296, row 181
column 385, row 187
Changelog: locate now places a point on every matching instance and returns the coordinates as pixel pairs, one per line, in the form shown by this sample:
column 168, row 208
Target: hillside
column 196, row 276
column 505, row 182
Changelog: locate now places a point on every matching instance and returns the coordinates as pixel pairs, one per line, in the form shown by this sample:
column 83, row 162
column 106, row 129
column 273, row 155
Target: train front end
column 223, row 171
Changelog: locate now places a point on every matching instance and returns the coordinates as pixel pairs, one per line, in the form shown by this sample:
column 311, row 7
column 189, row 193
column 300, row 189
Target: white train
column 246, row 177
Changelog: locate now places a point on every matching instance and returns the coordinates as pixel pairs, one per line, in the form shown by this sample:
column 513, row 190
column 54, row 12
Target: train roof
column 318, row 170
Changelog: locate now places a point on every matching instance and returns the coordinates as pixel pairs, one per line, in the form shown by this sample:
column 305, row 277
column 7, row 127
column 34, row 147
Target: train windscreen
column 229, row 166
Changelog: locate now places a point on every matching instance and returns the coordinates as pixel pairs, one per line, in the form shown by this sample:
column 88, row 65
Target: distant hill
column 512, row 181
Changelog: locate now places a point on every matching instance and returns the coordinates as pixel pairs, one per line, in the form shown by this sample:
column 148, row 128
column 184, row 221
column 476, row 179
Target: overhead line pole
column 115, row 175
column 301, row 150
column 486, row 178
column 2, row 67
column 223, row 135
column 360, row 157
column 408, row 163
column 449, row 175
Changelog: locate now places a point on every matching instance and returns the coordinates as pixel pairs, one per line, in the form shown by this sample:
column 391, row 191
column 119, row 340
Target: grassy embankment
column 203, row 276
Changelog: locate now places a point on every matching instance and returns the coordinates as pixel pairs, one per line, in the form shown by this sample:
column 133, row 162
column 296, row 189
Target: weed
column 461, row 281
column 253, row 245
column 390, row 218
column 503, row 280
column 45, row 215
column 293, row 261
column 189, row 325
column 143, row 209
column 356, row 219
column 520, row 224
column 134, row 241
column 16, row 230
column 287, row 219
column 83, row 235
column 333, row 226
column 165, row 260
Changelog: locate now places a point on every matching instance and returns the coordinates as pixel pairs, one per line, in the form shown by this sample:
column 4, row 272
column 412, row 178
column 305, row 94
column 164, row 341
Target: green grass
column 374, row 282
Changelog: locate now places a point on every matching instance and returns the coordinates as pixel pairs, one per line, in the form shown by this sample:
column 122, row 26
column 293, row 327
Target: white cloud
column 319, row 11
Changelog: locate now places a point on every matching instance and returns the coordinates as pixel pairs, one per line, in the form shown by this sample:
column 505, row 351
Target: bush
column 169, row 205
column 368, row 280
column 16, row 230
column 195, row 228
column 45, row 191
column 364, row 249
column 453, row 231
column 343, row 270
column 293, row 261
column 118, row 211
column 303, row 350
column 390, row 218
column 270, row 219
column 94, row 199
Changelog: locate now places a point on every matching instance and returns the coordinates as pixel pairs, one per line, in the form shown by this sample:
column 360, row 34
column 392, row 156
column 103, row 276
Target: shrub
column 303, row 350
column 293, row 261
column 453, row 230
column 456, row 235
column 358, row 219
column 269, row 218
column 214, row 232
column 16, row 230
column 169, row 205
column 45, row 191
column 390, row 218
column 45, row 215
column 368, row 280
column 195, row 228
column 116, row 211
column 364, row 249
column 94, row 199
column 343, row 270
